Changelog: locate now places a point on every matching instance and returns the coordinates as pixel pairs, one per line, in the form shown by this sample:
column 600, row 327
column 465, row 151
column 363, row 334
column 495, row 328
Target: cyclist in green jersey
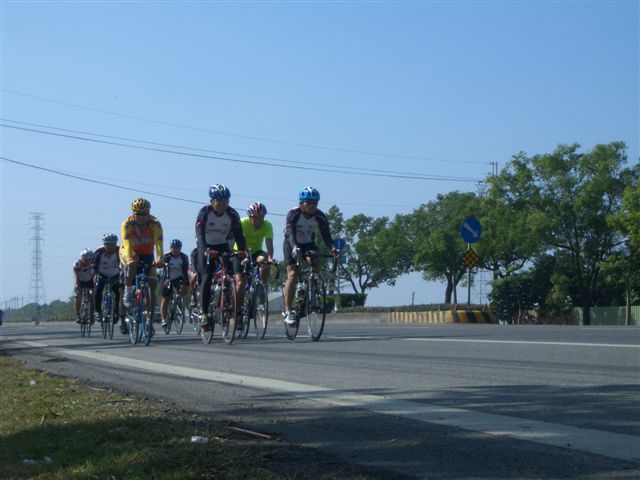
column 256, row 229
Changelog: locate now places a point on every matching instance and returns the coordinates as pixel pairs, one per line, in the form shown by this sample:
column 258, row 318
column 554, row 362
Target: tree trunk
column 448, row 290
column 586, row 314
column 627, row 310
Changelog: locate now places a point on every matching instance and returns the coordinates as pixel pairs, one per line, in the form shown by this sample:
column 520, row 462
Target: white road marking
column 473, row 340
column 609, row 444
column 525, row 342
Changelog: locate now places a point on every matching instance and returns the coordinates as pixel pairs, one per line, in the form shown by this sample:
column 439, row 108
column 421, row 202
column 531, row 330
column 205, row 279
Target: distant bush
column 56, row 310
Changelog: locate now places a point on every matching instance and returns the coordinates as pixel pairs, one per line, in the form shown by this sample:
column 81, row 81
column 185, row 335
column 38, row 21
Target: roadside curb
column 448, row 316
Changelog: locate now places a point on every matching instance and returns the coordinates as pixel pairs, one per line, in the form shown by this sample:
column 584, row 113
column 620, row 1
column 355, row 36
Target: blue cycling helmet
column 309, row 193
column 219, row 191
column 176, row 243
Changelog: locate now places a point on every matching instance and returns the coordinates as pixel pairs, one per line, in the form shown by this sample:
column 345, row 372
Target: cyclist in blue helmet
column 215, row 224
column 302, row 223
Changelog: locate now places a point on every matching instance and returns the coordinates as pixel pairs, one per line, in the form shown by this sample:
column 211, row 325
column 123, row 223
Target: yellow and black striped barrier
column 444, row 316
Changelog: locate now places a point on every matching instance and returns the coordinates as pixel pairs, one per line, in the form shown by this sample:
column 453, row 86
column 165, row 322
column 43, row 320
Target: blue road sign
column 340, row 243
column 471, row 230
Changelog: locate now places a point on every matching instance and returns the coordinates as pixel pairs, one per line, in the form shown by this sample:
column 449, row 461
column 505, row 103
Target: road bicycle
column 222, row 307
column 109, row 308
column 310, row 298
column 85, row 312
column 254, row 313
column 176, row 312
column 140, row 316
column 194, row 312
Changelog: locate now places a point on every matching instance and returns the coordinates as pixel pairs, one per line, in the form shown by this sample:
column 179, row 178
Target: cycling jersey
column 84, row 270
column 300, row 227
column 255, row 237
column 141, row 239
column 177, row 266
column 213, row 229
column 107, row 264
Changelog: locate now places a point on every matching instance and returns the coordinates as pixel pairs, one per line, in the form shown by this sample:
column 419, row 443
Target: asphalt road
column 415, row 401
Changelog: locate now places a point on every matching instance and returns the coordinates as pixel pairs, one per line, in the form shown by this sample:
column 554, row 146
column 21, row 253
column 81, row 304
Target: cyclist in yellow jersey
column 256, row 229
column 141, row 235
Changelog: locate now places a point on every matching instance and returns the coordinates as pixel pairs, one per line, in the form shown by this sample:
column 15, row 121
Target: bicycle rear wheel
column 315, row 308
column 227, row 312
column 260, row 310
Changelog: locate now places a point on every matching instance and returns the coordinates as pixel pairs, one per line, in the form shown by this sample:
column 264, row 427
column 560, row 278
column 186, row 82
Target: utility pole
column 36, row 285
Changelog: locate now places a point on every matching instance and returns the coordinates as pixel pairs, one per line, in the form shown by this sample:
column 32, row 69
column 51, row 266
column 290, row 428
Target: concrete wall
column 607, row 315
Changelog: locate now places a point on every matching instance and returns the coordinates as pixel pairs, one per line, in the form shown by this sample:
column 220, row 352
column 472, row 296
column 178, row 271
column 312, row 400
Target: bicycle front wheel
column 245, row 315
column 291, row 331
column 147, row 318
column 260, row 312
column 105, row 316
column 85, row 317
column 109, row 314
column 206, row 331
column 179, row 314
column 134, row 330
column 227, row 312
column 316, row 308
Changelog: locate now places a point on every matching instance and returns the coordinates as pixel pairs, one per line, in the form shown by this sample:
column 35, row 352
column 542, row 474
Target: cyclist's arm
column 290, row 228
column 269, row 244
column 236, row 228
column 201, row 222
column 185, row 267
column 126, row 247
column 268, row 237
column 157, row 237
column 325, row 232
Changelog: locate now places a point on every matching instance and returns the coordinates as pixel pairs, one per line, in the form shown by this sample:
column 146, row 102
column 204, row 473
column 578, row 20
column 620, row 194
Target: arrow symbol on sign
column 471, row 230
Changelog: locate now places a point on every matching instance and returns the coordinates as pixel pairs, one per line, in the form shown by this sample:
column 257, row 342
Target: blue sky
column 432, row 89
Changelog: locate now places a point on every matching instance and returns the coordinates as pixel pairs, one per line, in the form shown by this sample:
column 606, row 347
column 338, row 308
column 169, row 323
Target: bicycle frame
column 222, row 304
column 140, row 323
column 254, row 311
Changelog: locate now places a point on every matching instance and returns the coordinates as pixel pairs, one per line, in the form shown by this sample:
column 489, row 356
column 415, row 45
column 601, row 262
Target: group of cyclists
column 218, row 229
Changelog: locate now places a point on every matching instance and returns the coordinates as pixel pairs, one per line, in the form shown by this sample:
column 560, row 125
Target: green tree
column 507, row 244
column 433, row 230
column 572, row 196
column 372, row 256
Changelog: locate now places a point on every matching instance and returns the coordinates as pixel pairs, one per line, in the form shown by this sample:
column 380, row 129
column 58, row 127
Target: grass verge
column 58, row 428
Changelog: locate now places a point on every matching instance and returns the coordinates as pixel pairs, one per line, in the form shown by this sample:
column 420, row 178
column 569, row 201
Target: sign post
column 340, row 244
column 471, row 231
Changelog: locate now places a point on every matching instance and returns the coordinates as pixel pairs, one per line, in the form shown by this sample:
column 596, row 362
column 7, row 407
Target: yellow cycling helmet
column 140, row 206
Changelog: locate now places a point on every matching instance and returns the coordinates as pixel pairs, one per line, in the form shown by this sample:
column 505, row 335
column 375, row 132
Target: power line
column 235, row 160
column 260, row 157
column 235, row 135
column 108, row 184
